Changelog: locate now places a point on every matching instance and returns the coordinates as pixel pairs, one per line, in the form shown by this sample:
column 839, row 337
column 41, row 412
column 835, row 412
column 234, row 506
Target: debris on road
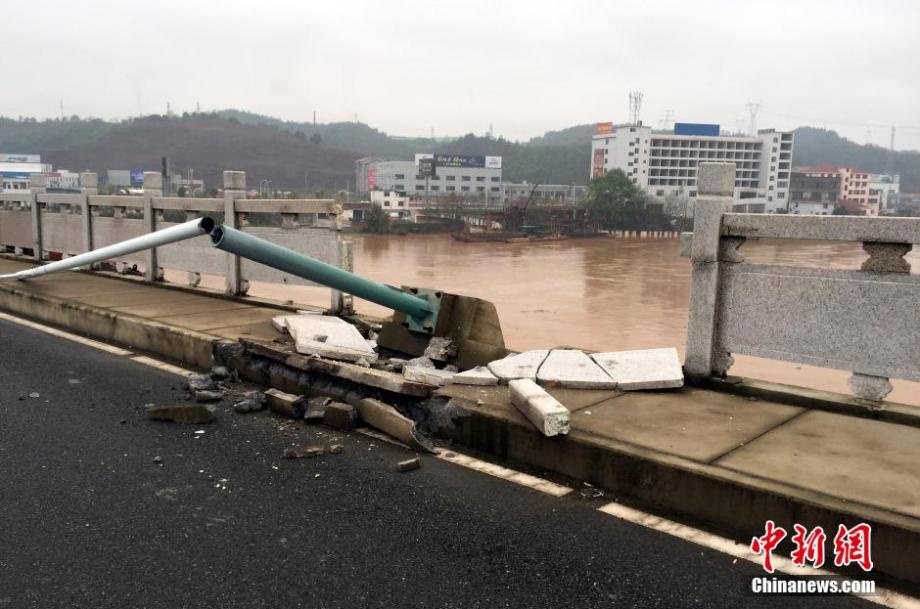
column 301, row 452
column 573, row 369
column 480, row 376
column 520, row 366
column 408, row 465
column 316, row 409
column 440, row 349
column 340, row 416
column 253, row 401
column 200, row 382
column 219, row 373
column 208, row 396
column 158, row 460
column 388, row 420
column 184, row 414
column 430, row 376
column 643, row 369
column 540, row 408
column 336, row 449
column 286, row 404
column 35, row 394
column 330, row 337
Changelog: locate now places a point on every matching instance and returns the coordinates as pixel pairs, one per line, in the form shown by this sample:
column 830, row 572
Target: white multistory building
column 664, row 163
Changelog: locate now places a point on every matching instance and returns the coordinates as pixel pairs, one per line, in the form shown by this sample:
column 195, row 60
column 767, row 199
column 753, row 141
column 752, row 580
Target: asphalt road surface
column 88, row 519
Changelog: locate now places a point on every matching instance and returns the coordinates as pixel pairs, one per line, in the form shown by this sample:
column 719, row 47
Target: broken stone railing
column 67, row 224
column 866, row 320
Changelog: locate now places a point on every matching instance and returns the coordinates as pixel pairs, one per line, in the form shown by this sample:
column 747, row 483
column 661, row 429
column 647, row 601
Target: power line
column 842, row 123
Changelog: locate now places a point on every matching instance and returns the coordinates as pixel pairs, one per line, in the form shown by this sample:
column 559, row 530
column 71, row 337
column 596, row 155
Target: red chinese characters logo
column 765, row 545
column 851, row 545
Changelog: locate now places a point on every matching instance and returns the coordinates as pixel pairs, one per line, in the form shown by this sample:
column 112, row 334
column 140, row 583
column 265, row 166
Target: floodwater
column 600, row 294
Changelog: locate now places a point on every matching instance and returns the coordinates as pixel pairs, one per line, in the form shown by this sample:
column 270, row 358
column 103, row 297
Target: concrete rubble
column 285, row 404
column 480, row 376
column 184, row 414
column 408, row 465
column 519, row 366
column 316, row 409
column 388, row 420
column 440, row 349
column 328, row 337
column 573, row 369
column 540, row 408
column 253, row 401
column 341, row 416
column 642, row 369
column 208, row 395
column 301, row 452
column 430, row 376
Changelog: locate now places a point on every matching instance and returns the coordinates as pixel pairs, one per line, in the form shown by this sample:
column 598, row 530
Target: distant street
column 88, row 518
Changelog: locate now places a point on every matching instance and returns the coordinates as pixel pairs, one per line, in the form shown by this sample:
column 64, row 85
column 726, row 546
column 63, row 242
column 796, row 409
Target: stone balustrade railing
column 866, row 320
column 67, row 224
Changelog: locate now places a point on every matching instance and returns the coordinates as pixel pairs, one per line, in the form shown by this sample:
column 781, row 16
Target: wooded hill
column 288, row 152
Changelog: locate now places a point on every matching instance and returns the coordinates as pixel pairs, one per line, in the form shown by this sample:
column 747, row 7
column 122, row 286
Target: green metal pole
column 289, row 261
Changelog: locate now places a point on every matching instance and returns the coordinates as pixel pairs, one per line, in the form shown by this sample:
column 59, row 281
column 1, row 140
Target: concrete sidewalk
column 726, row 461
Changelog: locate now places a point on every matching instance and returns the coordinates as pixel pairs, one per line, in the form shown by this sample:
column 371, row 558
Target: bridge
column 725, row 451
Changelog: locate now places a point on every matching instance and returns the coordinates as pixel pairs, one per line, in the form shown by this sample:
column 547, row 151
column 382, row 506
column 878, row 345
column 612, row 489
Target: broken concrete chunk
column 440, row 349
column 397, row 363
column 572, row 368
column 340, row 416
column 207, row 396
column 316, row 409
column 643, row 369
column 540, row 408
column 328, row 337
column 479, row 375
column 408, row 465
column 252, row 401
column 430, row 376
column 335, row 449
column 417, row 362
column 200, row 382
column 520, row 366
column 388, row 420
column 279, row 323
column 285, row 404
column 185, row 414
column 300, row 452
column 219, row 373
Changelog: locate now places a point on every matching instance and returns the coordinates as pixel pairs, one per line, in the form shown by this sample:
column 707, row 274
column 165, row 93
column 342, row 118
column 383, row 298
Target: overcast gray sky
column 457, row 66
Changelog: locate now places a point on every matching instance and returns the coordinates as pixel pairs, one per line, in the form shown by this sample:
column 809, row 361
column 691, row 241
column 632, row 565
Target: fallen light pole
column 421, row 306
column 470, row 323
column 181, row 232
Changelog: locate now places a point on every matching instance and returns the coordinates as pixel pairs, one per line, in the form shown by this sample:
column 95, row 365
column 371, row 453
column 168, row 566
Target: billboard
column 426, row 167
column 137, row 177
column 20, row 158
column 696, row 129
column 598, row 163
column 462, row 160
column 603, row 128
column 371, row 179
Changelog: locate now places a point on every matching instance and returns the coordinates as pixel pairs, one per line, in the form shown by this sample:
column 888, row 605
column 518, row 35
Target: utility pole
column 753, row 109
column 889, row 169
column 635, row 106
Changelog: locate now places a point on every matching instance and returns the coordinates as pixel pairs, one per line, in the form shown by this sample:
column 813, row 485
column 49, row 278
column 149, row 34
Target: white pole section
column 187, row 230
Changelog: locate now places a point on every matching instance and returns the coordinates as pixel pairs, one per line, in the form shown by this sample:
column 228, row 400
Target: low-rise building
column 858, row 191
column 392, row 201
column 547, row 193
column 16, row 170
column 813, row 193
column 467, row 178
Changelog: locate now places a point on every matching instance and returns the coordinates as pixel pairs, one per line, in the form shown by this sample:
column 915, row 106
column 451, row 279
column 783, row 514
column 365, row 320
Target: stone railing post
column 342, row 303
column 89, row 185
column 153, row 187
column 715, row 186
column 234, row 188
column 36, row 187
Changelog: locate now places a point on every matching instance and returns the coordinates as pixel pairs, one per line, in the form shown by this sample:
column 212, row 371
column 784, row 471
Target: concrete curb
column 734, row 504
column 815, row 399
column 169, row 342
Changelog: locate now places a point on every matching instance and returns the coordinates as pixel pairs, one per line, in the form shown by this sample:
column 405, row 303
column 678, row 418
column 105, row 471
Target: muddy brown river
column 601, row 294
